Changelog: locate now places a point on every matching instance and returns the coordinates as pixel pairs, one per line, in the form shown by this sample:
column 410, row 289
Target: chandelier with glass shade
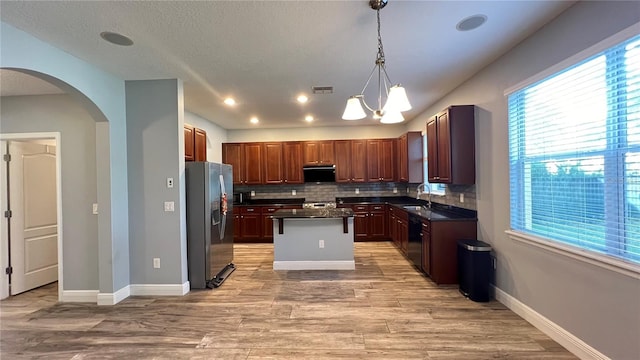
column 396, row 96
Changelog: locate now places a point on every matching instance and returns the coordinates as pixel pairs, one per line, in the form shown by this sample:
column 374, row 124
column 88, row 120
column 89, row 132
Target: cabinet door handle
column 421, row 234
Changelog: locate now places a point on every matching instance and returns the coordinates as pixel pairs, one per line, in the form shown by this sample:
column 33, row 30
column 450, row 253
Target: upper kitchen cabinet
column 246, row 160
column 195, row 144
column 350, row 161
column 410, row 158
column 283, row 163
column 451, row 146
column 380, row 160
column 319, row 152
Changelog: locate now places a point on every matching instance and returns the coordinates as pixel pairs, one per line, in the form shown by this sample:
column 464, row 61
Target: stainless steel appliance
column 209, row 187
column 319, row 205
column 242, row 197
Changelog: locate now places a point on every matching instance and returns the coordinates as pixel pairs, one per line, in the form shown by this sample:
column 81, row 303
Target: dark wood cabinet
column 248, row 227
column 350, row 161
column 380, row 160
column 378, row 222
column 267, row 222
column 246, row 160
column 410, row 158
column 195, row 144
column 442, row 249
column 292, row 162
column 189, row 143
column 273, row 164
column 319, row 152
column 200, row 144
column 451, row 146
column 399, row 228
column 425, row 233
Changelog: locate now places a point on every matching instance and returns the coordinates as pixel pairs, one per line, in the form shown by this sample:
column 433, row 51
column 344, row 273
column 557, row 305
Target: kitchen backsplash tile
column 329, row 191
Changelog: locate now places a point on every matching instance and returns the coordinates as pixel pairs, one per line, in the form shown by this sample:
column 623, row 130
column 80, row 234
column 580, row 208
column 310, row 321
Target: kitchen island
column 313, row 239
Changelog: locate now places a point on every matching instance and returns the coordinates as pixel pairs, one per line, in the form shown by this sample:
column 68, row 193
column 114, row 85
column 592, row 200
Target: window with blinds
column 574, row 154
column 436, row 189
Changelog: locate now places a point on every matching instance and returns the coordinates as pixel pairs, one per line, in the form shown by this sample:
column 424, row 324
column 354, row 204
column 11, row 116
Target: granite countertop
column 312, row 213
column 287, row 201
column 438, row 212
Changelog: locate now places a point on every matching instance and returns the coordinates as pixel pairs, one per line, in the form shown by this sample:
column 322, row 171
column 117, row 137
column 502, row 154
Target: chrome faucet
column 423, row 186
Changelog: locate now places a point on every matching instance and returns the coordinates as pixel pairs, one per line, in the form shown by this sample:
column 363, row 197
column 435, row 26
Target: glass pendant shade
column 392, row 117
column 353, row 110
column 397, row 100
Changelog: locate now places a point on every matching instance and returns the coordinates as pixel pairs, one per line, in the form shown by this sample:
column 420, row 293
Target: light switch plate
column 293, row 192
column 253, row 193
column 95, row 209
column 169, row 206
column 357, row 191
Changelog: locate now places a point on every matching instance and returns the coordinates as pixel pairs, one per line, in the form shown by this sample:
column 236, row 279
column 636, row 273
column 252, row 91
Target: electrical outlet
column 253, row 193
column 357, row 191
column 461, row 198
column 95, row 209
column 169, row 206
column 169, row 183
column 395, row 190
column 495, row 263
column 156, row 263
column 321, row 244
column 293, row 192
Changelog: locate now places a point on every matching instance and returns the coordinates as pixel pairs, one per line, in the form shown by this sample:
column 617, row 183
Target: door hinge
column 9, row 270
column 8, row 214
column 7, row 157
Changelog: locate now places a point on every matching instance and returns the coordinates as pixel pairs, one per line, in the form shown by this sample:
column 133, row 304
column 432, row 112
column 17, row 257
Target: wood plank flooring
column 385, row 309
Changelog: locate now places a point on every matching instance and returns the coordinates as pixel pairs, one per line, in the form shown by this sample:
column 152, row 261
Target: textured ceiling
column 264, row 53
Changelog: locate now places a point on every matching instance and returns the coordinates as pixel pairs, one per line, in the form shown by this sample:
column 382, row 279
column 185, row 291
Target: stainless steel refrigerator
column 209, row 190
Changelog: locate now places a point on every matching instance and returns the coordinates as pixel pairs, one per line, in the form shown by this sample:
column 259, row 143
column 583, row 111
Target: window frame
column 620, row 265
column 436, row 189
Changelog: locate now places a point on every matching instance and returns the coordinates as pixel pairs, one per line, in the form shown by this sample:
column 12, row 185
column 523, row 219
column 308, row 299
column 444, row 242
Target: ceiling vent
column 322, row 89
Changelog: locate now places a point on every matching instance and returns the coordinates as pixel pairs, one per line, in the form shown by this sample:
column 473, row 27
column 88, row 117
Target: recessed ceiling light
column 472, row 22
column 254, row 120
column 115, row 38
column 229, row 101
column 308, row 118
column 302, row 99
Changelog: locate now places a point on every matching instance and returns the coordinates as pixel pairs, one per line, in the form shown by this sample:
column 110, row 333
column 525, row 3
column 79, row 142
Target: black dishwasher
column 414, row 247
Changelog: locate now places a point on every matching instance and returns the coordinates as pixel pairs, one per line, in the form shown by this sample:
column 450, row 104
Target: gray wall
column 597, row 305
column 61, row 113
column 154, row 131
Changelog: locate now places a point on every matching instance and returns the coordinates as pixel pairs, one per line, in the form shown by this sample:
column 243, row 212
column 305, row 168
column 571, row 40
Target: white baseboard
column 314, row 265
column 79, row 296
column 160, row 289
column 114, row 298
column 572, row 343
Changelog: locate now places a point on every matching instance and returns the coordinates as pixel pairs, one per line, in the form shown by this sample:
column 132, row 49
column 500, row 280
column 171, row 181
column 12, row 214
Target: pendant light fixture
column 396, row 96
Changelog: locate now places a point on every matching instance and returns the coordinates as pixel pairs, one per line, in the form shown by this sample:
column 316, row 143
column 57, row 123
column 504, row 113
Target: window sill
column 609, row 263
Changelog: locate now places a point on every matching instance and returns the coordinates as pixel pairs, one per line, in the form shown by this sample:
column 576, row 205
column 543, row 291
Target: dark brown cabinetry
column 350, row 161
column 247, row 224
column 195, row 144
column 439, row 253
column 246, row 160
column 451, row 146
column 292, row 162
column 410, row 158
column 369, row 222
column 399, row 228
column 283, row 163
column 380, row 160
column 319, row 152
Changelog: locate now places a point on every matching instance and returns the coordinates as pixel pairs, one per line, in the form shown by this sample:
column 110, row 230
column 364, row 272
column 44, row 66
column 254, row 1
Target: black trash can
column 474, row 269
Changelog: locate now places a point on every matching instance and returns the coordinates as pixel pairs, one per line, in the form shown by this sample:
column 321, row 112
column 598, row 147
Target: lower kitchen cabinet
column 247, row 224
column 439, row 251
column 399, row 228
column 369, row 222
column 267, row 219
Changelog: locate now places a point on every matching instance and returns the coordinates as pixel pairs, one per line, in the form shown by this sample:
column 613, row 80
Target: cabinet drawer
column 250, row 210
column 360, row 208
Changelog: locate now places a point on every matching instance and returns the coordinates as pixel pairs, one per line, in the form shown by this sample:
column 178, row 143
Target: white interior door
column 32, row 196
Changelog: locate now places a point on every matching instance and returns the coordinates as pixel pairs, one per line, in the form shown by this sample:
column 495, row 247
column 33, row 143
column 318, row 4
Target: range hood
column 319, row 173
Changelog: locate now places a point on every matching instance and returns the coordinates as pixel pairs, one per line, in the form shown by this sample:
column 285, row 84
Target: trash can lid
column 474, row 245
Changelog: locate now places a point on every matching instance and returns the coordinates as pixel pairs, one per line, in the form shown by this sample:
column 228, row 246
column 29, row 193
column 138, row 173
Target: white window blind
column 436, row 189
column 574, row 152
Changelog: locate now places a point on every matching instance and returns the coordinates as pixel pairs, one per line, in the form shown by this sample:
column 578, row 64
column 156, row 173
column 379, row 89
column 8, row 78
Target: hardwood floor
column 385, row 309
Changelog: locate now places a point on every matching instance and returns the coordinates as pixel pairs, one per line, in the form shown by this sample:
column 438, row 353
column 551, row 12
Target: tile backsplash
column 329, row 191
